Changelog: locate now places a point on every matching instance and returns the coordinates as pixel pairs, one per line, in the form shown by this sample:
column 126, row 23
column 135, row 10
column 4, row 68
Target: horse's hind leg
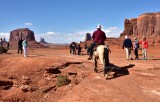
column 106, row 64
column 95, row 68
column 106, row 72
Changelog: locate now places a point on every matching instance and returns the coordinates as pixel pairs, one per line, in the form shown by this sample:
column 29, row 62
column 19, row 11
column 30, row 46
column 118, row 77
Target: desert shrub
column 4, row 50
column 62, row 80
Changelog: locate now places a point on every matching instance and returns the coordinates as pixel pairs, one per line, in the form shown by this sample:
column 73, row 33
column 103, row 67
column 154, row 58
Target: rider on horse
column 98, row 37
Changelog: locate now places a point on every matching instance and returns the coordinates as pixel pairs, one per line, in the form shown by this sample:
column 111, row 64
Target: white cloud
column 55, row 37
column 77, row 36
column 28, row 24
column 113, row 32
column 4, row 35
column 49, row 34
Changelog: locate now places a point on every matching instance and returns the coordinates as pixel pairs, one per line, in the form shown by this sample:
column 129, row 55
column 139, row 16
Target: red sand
column 141, row 85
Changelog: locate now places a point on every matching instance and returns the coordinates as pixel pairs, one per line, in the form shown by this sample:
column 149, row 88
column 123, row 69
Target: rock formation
column 42, row 41
column 88, row 37
column 5, row 44
column 147, row 24
column 23, row 33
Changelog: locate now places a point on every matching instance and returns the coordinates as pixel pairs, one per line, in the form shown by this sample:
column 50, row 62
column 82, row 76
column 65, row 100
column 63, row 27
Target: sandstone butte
column 23, row 33
column 147, row 24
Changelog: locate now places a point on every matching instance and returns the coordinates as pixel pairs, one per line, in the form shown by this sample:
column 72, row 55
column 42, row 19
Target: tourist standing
column 1, row 45
column 70, row 48
column 98, row 39
column 20, row 46
column 25, row 47
column 74, row 47
column 79, row 49
column 127, row 44
column 136, row 47
column 144, row 43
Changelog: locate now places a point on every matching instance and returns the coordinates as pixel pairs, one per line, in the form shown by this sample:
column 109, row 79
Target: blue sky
column 63, row 21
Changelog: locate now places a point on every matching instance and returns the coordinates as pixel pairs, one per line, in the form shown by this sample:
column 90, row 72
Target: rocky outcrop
column 42, row 41
column 23, row 33
column 88, row 37
column 147, row 24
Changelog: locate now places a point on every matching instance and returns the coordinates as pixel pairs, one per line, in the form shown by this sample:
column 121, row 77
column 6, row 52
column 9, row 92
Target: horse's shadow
column 118, row 71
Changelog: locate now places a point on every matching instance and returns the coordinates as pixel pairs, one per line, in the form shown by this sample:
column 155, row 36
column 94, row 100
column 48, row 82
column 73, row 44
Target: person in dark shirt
column 136, row 47
column 98, row 39
column 74, row 47
column 70, row 48
column 20, row 46
column 127, row 44
column 79, row 49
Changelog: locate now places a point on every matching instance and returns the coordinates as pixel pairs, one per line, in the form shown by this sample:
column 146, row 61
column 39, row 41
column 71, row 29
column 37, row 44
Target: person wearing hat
column 144, row 43
column 136, row 47
column 98, row 39
column 127, row 44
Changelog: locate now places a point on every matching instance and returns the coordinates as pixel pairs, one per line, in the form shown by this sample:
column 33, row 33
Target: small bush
column 62, row 80
column 4, row 50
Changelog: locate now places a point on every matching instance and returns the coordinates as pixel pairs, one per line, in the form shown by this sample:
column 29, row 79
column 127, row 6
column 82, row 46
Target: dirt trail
column 141, row 85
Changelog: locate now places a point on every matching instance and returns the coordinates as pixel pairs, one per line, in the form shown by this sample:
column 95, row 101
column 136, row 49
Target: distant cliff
column 147, row 24
column 42, row 41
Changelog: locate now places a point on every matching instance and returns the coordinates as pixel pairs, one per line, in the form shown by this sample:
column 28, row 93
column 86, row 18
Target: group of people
column 127, row 44
column 74, row 47
column 99, row 38
column 23, row 44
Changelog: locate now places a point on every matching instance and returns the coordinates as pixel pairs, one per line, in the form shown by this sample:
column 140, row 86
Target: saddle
column 95, row 48
column 97, row 44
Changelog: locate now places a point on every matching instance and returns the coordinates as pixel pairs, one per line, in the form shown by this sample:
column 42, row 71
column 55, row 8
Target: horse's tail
column 106, row 57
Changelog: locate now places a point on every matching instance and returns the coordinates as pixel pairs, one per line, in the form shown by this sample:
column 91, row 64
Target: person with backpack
column 136, row 47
